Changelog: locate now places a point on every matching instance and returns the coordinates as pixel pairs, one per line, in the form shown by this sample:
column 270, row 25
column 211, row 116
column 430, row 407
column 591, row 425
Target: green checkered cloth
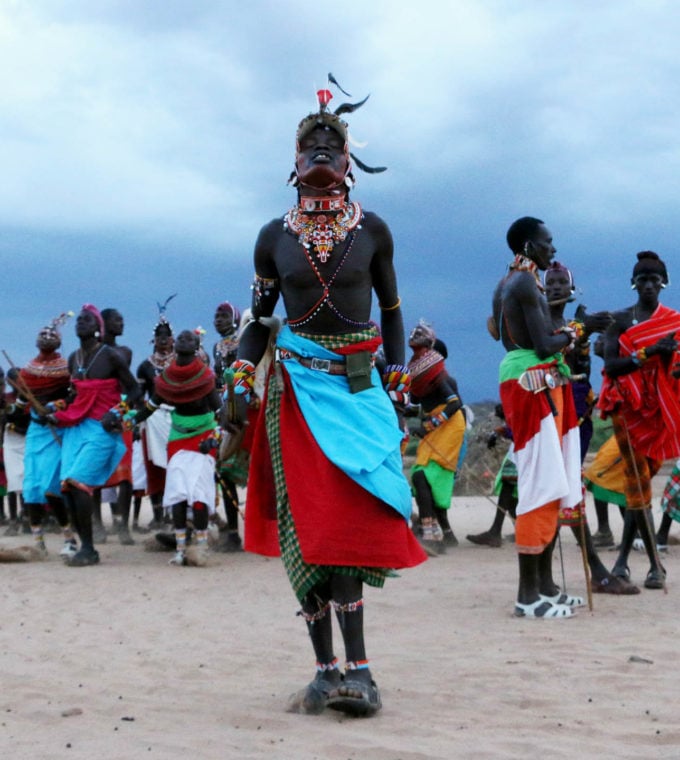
column 303, row 576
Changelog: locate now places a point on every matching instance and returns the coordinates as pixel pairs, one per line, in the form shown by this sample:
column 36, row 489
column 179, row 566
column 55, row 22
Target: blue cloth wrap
column 90, row 454
column 357, row 432
column 42, row 462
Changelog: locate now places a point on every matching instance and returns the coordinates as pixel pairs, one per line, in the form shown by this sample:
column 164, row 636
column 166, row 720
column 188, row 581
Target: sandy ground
column 136, row 659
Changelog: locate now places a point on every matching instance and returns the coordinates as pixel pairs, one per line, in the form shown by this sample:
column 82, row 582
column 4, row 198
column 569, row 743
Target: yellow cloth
column 607, row 468
column 443, row 444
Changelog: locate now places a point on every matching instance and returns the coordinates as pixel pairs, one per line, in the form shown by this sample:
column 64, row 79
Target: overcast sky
column 143, row 144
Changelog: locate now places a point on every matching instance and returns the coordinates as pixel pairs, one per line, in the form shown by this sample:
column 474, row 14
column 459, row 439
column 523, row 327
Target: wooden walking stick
column 584, row 557
column 20, row 387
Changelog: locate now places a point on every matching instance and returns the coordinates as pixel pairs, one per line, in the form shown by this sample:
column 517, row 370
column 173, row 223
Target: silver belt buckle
column 321, row 365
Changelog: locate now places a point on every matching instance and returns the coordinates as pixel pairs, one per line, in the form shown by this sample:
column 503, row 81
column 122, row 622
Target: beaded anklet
column 358, row 665
column 348, row 606
column 323, row 667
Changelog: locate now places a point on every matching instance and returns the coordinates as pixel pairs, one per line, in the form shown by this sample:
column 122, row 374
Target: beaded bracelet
column 435, row 421
column 120, row 409
column 639, row 357
column 396, row 378
column 397, row 383
column 55, row 406
column 579, row 328
column 244, row 376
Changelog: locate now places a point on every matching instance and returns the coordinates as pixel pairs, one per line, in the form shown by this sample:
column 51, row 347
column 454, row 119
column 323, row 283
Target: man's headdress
column 331, row 119
column 162, row 318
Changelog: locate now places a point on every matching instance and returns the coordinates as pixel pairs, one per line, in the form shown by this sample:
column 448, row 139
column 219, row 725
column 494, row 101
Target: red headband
column 95, row 313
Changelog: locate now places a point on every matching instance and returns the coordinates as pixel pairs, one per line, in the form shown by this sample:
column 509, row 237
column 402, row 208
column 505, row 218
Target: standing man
column 226, row 322
column 91, row 443
column 539, row 409
column 327, row 489
column 642, row 395
column 122, row 476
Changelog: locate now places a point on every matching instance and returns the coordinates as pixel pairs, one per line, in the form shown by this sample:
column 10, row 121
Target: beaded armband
column 397, row 383
column 244, row 376
column 639, row 357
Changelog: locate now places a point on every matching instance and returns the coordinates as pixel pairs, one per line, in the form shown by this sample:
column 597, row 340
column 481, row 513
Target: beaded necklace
column 326, row 295
column 225, row 346
column 81, row 369
column 161, row 361
column 323, row 231
column 523, row 263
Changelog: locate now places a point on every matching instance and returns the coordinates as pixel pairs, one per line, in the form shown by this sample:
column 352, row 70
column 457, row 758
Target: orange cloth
column 534, row 530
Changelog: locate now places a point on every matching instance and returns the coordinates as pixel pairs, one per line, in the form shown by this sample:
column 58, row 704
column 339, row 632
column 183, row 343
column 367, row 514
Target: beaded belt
column 328, row 366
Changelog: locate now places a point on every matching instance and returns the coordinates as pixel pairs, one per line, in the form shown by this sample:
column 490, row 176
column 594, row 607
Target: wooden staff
column 586, row 569
column 21, row 387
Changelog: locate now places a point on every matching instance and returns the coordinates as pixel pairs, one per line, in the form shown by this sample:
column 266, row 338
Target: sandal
column 655, row 579
column 542, row 608
column 565, row 599
column 621, row 572
column 367, row 703
column 83, row 558
column 313, row 698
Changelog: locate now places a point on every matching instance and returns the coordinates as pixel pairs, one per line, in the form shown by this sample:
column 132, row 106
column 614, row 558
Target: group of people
column 325, row 425
column 545, row 402
column 71, row 433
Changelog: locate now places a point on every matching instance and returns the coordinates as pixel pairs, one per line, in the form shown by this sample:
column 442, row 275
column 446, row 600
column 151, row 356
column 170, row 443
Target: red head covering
column 228, row 308
column 95, row 312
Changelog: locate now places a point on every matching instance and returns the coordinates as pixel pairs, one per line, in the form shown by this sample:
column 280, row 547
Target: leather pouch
column 359, row 367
